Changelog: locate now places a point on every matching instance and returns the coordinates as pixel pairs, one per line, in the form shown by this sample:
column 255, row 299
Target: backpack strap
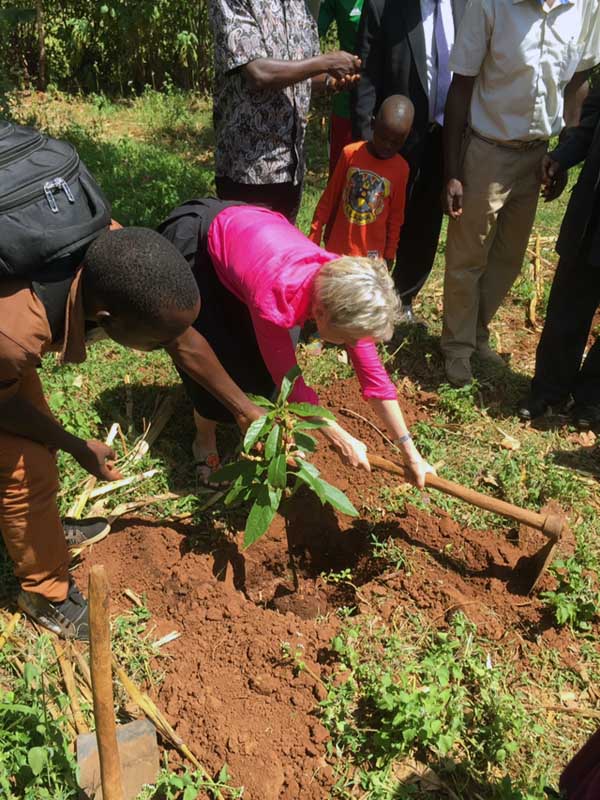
column 53, row 287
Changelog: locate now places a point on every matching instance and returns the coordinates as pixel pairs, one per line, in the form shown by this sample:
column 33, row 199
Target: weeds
column 37, row 759
column 441, row 698
column 576, row 599
column 459, row 405
column 133, row 648
column 189, row 785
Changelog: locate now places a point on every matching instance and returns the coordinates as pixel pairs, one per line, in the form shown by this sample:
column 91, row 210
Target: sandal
column 205, row 468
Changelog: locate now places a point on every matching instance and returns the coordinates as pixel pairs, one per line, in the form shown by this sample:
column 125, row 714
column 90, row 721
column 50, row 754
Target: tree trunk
column 42, row 80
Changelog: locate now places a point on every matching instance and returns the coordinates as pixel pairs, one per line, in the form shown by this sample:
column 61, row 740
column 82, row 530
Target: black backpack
column 51, row 208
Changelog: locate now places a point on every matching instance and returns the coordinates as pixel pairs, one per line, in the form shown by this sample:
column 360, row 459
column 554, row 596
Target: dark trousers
column 224, row 321
column 423, row 219
column 282, row 197
column 574, row 299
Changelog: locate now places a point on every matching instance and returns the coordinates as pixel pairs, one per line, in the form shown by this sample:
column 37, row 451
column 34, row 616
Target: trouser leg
column 513, row 229
column 423, row 221
column 574, row 298
column 340, row 134
column 469, row 240
column 485, row 247
column 29, row 518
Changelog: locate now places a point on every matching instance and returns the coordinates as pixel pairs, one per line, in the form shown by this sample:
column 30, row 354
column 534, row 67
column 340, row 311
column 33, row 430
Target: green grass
column 491, row 740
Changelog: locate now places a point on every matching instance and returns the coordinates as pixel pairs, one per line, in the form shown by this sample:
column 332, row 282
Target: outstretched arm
column 193, row 354
column 270, row 73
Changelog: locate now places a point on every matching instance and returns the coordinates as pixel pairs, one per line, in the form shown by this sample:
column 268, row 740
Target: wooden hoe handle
column 550, row 524
column 102, row 688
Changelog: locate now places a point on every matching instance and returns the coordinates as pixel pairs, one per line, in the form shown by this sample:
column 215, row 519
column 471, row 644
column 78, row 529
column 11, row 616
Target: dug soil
column 230, row 691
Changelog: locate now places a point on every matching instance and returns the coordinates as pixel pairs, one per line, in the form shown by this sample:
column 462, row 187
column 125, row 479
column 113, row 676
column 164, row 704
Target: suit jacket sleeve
column 575, row 148
column 369, row 48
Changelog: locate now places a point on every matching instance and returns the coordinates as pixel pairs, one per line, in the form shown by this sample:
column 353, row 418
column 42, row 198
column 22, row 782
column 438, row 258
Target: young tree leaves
column 260, row 516
column 254, row 432
column 287, row 384
column 308, row 410
column 262, row 477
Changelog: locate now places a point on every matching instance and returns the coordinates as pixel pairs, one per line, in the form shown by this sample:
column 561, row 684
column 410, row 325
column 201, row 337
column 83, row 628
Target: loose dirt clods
column 230, row 689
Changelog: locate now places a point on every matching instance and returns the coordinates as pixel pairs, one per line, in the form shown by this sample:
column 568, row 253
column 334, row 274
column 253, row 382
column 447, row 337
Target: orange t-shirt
column 362, row 208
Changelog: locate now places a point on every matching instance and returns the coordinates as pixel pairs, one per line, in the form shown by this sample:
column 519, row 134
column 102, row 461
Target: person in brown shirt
column 141, row 291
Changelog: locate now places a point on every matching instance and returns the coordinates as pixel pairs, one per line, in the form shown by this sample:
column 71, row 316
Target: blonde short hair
column 358, row 295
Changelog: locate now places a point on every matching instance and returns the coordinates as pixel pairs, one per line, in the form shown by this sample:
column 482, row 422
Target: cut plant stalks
column 68, row 652
column 157, row 424
column 71, row 687
column 551, row 525
column 80, row 503
column 273, row 454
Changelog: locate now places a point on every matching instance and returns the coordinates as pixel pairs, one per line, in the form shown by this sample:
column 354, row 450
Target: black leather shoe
column 586, row 418
column 530, row 409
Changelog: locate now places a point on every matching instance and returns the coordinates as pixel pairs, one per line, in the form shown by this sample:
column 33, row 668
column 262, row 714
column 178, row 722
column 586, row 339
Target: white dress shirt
column 523, row 54
column 427, row 15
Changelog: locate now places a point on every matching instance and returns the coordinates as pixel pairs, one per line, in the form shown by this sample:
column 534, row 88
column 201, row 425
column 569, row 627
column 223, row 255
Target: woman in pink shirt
column 260, row 278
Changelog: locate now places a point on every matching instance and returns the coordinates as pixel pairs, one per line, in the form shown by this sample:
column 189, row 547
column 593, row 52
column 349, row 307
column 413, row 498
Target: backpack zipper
column 23, row 197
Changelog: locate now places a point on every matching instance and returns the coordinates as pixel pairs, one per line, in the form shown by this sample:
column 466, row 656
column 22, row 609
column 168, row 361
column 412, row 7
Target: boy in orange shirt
column 362, row 208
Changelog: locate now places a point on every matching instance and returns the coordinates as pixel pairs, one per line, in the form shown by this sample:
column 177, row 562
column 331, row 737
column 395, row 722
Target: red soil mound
column 229, row 691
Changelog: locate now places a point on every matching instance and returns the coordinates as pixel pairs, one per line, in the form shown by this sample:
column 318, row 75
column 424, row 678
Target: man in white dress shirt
column 520, row 70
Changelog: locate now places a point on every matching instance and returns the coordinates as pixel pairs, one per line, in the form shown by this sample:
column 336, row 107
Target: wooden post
column 102, row 688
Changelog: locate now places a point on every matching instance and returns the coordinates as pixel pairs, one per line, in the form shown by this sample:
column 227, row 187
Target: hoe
column 551, row 525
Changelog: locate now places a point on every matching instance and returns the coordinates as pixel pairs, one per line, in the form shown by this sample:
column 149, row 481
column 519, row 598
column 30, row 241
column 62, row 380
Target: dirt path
column 229, row 691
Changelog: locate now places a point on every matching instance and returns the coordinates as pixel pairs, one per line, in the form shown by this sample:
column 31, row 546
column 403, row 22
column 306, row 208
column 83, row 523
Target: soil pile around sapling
column 229, row 691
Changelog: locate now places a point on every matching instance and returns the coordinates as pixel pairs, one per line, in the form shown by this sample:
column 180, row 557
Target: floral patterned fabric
column 260, row 133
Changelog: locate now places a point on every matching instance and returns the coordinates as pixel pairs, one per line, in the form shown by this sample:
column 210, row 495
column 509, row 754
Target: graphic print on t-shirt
column 364, row 195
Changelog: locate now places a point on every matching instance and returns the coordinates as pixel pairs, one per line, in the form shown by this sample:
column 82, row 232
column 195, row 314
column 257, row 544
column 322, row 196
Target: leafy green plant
column 441, row 698
column 37, row 762
column 576, row 599
column 189, row 785
column 459, row 405
column 274, row 455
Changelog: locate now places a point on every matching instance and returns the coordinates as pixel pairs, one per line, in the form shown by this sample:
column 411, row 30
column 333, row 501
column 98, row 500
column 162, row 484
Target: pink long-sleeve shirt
column 271, row 267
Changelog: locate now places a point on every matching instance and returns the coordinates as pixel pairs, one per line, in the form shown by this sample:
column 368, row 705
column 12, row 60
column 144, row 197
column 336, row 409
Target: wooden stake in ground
column 102, row 688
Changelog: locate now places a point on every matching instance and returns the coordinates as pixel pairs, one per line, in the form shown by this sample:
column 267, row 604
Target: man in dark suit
column 404, row 48
column 575, row 295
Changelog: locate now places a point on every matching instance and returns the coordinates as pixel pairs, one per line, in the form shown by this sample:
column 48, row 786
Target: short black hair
column 137, row 271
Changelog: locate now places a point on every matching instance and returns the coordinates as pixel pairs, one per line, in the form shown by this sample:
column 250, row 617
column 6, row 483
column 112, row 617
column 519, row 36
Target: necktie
column 443, row 63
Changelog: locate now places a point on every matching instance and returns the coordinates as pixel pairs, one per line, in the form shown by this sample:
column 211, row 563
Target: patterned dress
column 260, row 133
